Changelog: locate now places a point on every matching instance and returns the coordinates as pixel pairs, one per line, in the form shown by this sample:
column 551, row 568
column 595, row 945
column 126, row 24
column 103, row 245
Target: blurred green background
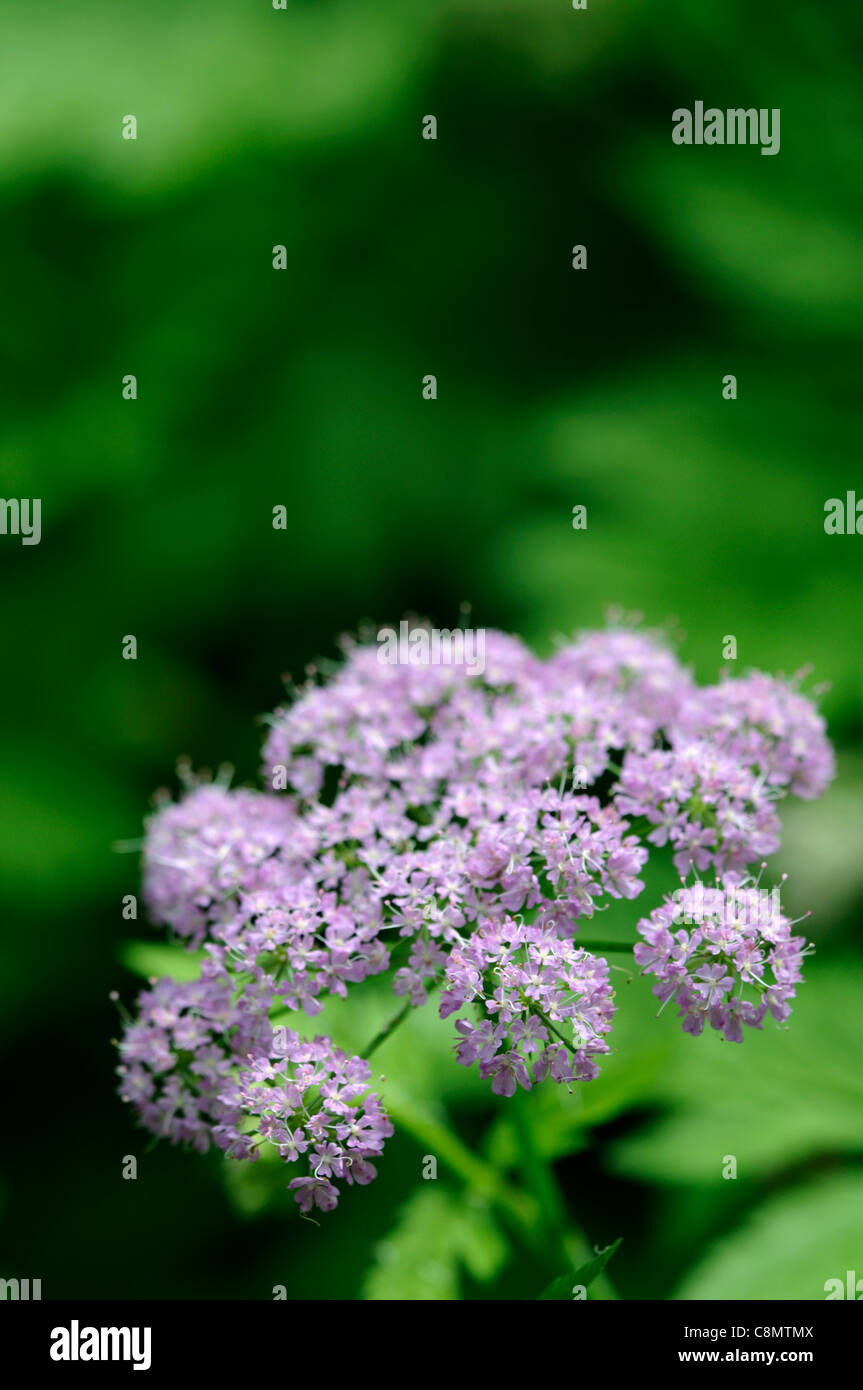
column 256, row 388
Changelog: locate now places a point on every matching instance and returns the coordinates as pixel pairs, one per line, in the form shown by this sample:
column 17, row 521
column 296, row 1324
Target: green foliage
column 434, row 1237
column 150, row 959
column 784, row 1095
column 302, row 389
column 789, row 1248
column 561, row 1288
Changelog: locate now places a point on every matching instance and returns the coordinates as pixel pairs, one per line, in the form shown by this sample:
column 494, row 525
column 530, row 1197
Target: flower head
column 733, row 962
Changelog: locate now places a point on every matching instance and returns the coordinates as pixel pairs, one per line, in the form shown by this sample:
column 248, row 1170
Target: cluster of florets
column 181, row 1052
column 547, row 1005
column 313, row 1103
column 736, row 748
column 454, row 828
column 203, row 1065
column 725, row 955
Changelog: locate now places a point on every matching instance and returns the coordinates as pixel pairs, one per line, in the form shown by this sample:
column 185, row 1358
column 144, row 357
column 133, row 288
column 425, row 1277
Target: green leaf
column 253, row 1187
column 780, row 1096
column 560, row 1290
column 435, row 1237
column 790, row 1248
column 562, row 1119
column 148, row 959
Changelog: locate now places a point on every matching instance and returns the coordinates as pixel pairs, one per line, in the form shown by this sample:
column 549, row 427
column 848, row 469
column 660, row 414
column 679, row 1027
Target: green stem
column 567, row 1246
column 542, row 1206
column 540, row 1181
column 387, row 1030
column 522, row 1208
column 437, row 1139
column 568, row 1043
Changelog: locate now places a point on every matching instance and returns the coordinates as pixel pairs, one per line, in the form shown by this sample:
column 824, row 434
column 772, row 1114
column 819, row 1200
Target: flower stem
column 430, row 1129
column 387, row 1030
column 547, row 1023
column 528, row 1211
column 566, row 1245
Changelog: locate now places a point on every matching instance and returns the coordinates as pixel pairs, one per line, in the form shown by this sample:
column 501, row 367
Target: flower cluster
column 203, row 1065
column 246, row 873
column 181, row 1051
column 739, row 941
column 766, row 724
column 714, row 813
column 215, row 843
column 533, row 985
column 457, row 829
column 312, row 1101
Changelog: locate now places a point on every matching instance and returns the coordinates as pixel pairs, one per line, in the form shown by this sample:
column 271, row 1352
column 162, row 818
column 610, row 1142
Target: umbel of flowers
column 455, row 830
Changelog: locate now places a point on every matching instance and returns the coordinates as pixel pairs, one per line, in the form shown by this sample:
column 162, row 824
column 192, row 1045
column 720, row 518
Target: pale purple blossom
column 734, row 961
column 459, row 830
